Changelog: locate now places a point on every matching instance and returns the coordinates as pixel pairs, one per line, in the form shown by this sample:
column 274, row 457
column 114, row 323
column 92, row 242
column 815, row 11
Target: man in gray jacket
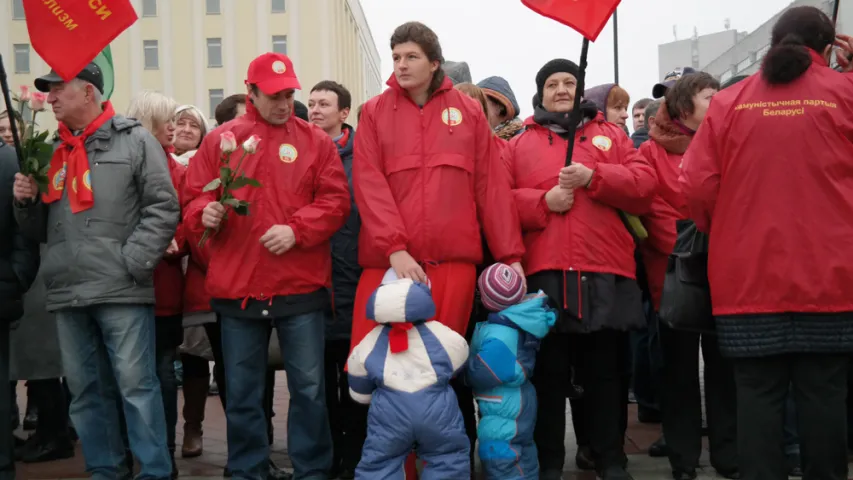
column 104, row 234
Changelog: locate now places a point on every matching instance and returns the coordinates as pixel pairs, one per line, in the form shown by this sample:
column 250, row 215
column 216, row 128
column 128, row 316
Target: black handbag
column 686, row 300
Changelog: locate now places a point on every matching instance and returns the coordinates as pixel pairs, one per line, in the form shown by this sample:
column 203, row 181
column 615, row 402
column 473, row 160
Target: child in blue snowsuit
column 503, row 353
column 403, row 369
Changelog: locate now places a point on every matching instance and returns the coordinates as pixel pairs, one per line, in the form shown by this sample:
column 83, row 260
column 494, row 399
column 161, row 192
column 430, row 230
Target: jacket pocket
column 101, row 256
column 113, row 185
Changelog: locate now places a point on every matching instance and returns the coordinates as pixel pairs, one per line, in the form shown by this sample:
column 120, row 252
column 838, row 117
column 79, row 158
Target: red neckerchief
column 398, row 337
column 342, row 142
column 71, row 162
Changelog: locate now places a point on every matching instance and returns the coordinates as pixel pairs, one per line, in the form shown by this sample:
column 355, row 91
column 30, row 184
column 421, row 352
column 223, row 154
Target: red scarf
column 398, row 337
column 70, row 161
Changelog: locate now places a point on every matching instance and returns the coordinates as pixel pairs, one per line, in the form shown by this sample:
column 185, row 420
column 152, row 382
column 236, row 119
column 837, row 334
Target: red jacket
column 770, row 177
column 169, row 274
column 196, row 298
column 591, row 236
column 303, row 185
column 664, row 150
column 427, row 178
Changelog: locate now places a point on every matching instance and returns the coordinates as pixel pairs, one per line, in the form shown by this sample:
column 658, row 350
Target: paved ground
column 210, row 465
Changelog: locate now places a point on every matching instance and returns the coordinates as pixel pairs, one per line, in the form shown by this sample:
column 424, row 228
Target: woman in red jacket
column 677, row 120
column 769, row 177
column 581, row 254
column 428, row 178
column 156, row 113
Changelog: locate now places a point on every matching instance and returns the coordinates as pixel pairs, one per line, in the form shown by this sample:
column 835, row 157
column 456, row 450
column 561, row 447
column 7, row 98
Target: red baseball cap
column 272, row 73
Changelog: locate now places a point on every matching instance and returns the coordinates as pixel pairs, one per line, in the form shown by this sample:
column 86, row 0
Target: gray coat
column 107, row 254
column 34, row 339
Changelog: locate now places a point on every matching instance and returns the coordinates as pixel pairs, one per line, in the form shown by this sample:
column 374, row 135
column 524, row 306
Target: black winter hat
column 558, row 65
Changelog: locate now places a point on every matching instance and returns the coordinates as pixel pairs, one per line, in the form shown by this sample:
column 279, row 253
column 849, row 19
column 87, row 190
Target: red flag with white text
column 587, row 17
column 68, row 34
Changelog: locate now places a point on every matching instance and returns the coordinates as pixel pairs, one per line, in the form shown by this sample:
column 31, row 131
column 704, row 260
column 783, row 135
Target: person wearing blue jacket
column 402, row 368
column 500, row 364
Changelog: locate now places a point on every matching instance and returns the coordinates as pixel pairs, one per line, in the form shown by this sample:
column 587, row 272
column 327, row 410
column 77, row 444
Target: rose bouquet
column 36, row 151
column 232, row 179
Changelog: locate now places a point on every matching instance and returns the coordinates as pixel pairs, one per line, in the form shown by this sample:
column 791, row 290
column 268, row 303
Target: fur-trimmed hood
column 673, row 136
column 509, row 129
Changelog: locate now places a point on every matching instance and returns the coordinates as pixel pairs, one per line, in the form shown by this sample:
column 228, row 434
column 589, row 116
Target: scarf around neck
column 70, row 161
column 560, row 122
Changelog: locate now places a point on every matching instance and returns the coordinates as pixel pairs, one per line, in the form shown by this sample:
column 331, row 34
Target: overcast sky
column 503, row 37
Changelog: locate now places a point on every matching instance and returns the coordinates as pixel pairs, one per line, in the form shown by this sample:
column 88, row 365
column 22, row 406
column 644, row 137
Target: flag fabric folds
column 68, row 34
column 104, row 61
column 587, row 17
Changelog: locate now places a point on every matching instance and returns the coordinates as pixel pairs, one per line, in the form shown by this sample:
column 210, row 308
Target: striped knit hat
column 500, row 287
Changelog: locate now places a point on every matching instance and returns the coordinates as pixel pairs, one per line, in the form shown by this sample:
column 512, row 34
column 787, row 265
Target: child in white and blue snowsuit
column 503, row 354
column 403, row 369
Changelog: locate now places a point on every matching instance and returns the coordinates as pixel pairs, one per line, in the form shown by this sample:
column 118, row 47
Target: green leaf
column 241, row 207
column 213, row 185
column 42, row 137
column 225, row 175
column 243, row 181
column 31, row 166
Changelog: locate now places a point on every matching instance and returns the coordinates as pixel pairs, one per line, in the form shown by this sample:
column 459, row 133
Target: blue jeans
column 104, row 347
column 245, row 354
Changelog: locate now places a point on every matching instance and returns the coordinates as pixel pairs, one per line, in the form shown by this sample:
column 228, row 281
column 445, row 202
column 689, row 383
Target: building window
column 152, row 54
column 213, row 7
column 744, row 64
column 725, row 76
column 216, row 95
column 214, row 52
column 149, row 8
column 279, row 44
column 278, row 6
column 22, row 58
column 18, row 10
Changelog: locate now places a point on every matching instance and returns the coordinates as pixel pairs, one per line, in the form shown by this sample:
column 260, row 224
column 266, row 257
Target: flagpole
column 616, row 46
column 13, row 119
column 835, row 12
column 576, row 115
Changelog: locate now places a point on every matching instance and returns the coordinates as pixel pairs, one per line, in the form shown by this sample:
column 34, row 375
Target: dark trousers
column 820, row 389
column 681, row 399
column 598, row 364
column 49, row 397
column 647, row 363
column 347, row 418
column 7, row 442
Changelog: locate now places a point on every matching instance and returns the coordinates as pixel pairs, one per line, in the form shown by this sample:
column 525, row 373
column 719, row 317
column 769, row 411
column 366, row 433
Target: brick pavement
column 211, row 463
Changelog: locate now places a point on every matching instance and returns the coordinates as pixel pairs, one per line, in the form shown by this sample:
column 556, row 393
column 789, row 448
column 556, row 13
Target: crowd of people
column 442, row 280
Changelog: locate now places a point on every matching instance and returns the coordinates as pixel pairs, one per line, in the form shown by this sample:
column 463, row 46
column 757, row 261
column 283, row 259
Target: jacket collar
column 446, row 84
column 672, row 137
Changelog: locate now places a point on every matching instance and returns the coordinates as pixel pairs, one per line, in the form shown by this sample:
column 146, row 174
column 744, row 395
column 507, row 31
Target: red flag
column 68, row 34
column 587, row 17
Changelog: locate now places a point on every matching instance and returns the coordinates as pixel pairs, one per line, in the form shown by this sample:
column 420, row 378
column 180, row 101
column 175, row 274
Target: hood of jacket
column 458, row 72
column 498, row 88
column 532, row 315
column 598, row 95
column 673, row 137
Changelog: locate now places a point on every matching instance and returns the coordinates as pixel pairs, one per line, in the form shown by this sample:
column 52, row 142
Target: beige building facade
column 198, row 51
